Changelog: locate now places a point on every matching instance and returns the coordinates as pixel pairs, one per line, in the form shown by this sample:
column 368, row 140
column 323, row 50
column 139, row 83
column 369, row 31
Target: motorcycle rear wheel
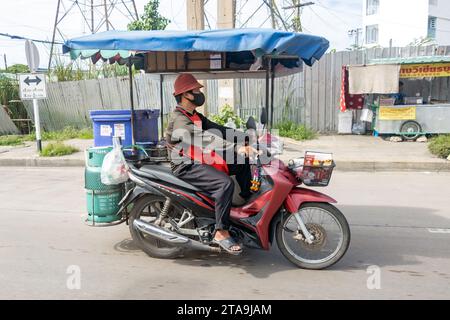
column 154, row 248
column 293, row 246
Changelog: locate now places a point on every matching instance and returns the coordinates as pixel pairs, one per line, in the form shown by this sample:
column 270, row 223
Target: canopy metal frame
column 268, row 70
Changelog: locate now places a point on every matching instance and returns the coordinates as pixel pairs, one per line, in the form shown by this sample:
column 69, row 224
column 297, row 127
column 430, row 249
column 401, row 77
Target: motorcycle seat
column 164, row 173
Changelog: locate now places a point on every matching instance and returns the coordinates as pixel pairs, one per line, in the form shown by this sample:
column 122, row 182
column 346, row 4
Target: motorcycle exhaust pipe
column 171, row 238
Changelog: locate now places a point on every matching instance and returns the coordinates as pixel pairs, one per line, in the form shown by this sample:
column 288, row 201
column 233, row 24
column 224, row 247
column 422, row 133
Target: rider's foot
column 223, row 236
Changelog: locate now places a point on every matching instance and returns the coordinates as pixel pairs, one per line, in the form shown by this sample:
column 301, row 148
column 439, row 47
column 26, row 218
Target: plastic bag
column 114, row 167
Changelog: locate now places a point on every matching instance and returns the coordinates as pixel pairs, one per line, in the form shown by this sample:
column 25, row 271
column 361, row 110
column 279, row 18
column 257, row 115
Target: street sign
column 32, row 53
column 32, row 86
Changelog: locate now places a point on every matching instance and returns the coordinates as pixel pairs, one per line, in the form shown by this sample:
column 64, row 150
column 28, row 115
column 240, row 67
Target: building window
column 372, row 7
column 372, row 34
column 431, row 28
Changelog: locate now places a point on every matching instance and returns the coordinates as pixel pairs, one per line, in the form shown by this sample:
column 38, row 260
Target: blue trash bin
column 110, row 123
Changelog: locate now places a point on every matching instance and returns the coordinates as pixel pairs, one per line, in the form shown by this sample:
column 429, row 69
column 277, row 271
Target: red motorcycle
column 169, row 216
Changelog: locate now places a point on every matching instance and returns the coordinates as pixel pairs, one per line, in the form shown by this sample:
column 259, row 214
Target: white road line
column 439, row 230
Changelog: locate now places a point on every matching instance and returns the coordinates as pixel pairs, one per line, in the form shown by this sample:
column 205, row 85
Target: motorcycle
column 169, row 216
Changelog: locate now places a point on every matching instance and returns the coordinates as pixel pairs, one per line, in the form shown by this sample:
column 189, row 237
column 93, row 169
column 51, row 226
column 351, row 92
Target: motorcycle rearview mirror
column 264, row 116
column 251, row 123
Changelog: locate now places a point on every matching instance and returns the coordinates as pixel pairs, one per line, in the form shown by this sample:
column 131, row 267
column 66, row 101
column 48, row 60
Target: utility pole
column 6, row 64
column 226, row 19
column 355, row 34
column 272, row 14
column 195, row 14
column 195, row 10
column 297, row 22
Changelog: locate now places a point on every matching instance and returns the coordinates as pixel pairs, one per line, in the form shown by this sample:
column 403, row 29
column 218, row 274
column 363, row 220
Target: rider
column 194, row 141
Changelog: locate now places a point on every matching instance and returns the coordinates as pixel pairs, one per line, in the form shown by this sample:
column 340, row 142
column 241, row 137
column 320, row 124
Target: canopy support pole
column 267, row 91
column 272, row 93
column 161, row 97
column 130, row 73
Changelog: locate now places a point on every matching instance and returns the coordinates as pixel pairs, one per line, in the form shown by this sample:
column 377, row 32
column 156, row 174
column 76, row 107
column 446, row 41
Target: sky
column 34, row 19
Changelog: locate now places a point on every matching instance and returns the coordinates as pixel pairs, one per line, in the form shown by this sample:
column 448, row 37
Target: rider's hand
column 248, row 151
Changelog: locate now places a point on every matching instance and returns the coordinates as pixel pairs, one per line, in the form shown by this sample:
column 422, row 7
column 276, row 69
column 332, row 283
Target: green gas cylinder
column 102, row 201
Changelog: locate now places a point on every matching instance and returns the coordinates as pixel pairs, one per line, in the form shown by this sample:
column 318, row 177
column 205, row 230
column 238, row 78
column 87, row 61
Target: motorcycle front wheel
column 329, row 228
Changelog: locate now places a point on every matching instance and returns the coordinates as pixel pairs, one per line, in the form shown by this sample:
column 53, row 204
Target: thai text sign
column 395, row 113
column 425, row 70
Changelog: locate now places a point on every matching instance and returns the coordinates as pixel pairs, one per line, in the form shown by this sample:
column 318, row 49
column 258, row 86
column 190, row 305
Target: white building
column 404, row 21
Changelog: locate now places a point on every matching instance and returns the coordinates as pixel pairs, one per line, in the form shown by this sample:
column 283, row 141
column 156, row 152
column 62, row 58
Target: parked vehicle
column 170, row 216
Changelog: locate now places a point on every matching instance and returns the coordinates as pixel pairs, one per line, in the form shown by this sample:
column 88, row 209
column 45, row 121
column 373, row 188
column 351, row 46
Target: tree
column 417, row 42
column 18, row 68
column 151, row 19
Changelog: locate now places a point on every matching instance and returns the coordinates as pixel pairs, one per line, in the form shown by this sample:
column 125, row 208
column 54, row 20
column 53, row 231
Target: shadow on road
column 381, row 235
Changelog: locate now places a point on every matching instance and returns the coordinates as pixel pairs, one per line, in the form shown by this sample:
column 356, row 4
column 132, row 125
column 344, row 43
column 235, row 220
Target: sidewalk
column 351, row 153
column 367, row 153
column 26, row 155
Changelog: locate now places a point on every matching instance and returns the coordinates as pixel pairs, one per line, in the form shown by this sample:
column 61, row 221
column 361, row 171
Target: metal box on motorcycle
column 110, row 123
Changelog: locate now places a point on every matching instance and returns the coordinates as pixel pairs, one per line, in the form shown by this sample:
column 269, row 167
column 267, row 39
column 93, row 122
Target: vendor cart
column 426, row 107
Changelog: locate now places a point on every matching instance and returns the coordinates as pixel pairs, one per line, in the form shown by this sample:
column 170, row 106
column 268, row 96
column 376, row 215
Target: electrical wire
column 15, row 37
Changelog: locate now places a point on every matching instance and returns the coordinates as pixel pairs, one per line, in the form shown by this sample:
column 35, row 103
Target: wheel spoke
column 326, row 229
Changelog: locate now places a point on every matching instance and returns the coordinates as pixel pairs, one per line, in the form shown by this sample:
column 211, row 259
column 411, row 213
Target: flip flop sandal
column 227, row 244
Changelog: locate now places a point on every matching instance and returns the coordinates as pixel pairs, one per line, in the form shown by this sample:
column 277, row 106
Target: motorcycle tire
column 323, row 265
column 148, row 245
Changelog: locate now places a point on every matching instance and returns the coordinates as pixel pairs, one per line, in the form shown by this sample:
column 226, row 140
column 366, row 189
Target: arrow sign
column 32, row 86
column 37, row 80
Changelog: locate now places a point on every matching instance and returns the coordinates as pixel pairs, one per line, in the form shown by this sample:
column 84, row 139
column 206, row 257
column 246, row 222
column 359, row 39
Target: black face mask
column 199, row 99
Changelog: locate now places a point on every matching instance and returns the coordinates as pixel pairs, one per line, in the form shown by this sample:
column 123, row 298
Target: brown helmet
column 184, row 83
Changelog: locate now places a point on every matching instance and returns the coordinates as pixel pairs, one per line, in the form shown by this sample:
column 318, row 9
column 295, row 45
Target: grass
column 66, row 134
column 57, row 149
column 440, row 146
column 295, row 131
column 11, row 140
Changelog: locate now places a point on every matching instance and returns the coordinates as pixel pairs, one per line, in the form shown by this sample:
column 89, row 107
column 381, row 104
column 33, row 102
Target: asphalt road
column 400, row 224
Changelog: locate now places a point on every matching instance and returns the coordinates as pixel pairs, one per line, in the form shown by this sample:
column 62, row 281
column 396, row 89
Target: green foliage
column 295, row 131
column 18, row 68
column 151, row 19
column 440, row 146
column 226, row 114
column 66, row 134
column 11, row 140
column 74, row 72
column 57, row 149
column 9, row 97
column 421, row 41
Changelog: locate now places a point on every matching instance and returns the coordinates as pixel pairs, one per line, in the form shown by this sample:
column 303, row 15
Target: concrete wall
column 399, row 20
column 442, row 12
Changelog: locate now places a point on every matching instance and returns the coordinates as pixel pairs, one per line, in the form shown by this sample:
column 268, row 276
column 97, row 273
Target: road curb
column 368, row 166
column 374, row 166
column 39, row 162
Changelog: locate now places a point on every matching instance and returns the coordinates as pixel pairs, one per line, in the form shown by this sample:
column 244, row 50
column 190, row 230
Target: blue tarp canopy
column 111, row 44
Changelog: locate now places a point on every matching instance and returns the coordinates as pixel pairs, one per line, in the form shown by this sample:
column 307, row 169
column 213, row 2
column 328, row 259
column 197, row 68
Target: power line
column 321, row 19
column 333, row 14
column 15, row 37
column 252, row 15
